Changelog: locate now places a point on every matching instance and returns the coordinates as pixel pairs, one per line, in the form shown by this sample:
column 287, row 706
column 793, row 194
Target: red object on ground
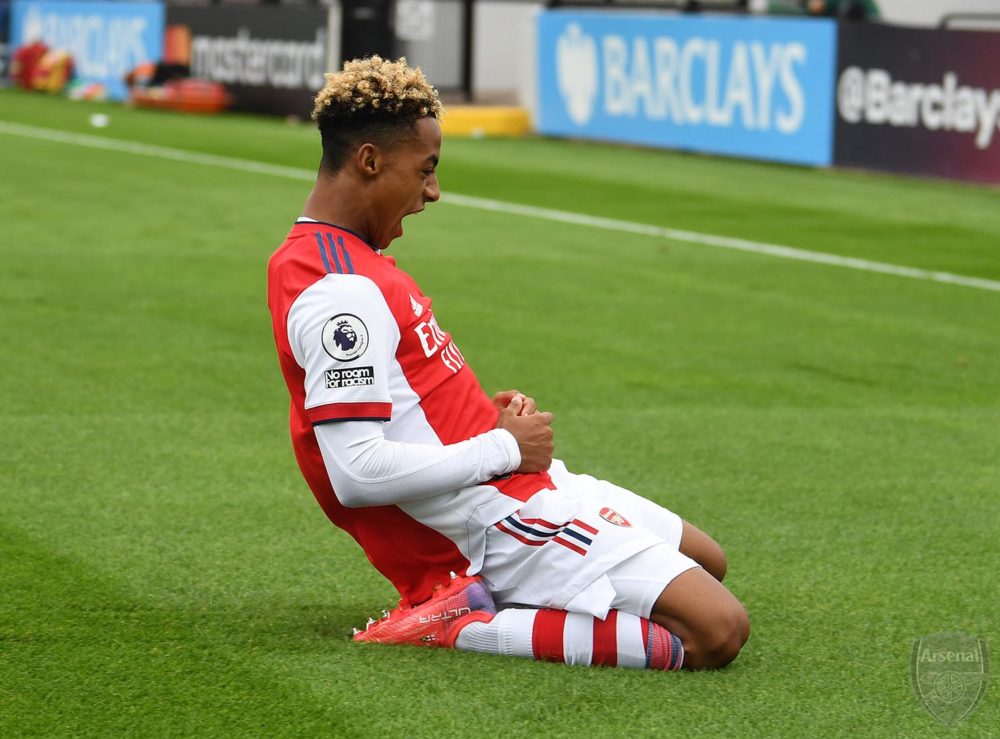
column 23, row 62
column 186, row 96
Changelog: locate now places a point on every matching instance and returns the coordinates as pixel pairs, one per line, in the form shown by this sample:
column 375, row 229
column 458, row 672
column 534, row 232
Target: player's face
column 408, row 181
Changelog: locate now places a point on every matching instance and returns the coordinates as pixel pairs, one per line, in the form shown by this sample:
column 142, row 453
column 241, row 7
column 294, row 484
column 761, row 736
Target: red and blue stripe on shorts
column 575, row 535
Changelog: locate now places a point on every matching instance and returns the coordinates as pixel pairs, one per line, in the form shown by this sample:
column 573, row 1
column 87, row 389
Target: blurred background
column 894, row 85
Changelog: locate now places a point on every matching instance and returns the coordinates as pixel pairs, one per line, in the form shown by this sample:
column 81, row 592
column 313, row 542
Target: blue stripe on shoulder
column 333, row 253
column 322, row 252
column 347, row 257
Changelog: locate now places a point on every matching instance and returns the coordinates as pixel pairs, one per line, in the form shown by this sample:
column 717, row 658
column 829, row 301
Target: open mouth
column 399, row 226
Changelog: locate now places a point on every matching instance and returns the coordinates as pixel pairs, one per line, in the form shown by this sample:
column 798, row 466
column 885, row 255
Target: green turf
column 164, row 570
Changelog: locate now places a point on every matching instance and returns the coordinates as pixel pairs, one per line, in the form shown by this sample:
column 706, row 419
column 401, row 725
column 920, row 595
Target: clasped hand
column 530, row 427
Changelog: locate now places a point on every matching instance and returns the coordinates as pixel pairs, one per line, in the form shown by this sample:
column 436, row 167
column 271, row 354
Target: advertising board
column 270, row 58
column 919, row 101
column 107, row 39
column 749, row 87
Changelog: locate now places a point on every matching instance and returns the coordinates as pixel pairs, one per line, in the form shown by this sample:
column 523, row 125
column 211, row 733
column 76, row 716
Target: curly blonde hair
column 373, row 99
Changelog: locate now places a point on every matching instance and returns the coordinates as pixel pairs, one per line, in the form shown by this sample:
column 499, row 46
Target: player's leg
column 620, row 640
column 670, row 588
column 462, row 614
column 687, row 606
column 635, row 588
column 694, row 621
column 704, row 550
column 711, row 623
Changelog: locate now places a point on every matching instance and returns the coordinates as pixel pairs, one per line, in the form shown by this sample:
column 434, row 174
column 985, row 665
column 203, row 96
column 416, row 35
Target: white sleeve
column 344, row 336
column 366, row 469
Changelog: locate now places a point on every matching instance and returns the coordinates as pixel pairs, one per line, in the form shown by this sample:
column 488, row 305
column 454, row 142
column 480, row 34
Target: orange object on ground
column 186, row 96
column 53, row 71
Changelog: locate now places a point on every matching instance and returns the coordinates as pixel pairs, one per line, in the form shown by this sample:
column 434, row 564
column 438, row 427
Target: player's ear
column 368, row 159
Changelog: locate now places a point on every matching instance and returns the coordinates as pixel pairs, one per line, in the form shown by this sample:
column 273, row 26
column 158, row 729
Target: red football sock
column 620, row 640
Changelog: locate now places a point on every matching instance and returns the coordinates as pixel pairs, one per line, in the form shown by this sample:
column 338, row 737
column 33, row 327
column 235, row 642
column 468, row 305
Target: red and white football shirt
column 357, row 339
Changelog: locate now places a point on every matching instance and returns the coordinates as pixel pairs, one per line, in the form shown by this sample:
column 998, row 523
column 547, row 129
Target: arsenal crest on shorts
column 612, row 516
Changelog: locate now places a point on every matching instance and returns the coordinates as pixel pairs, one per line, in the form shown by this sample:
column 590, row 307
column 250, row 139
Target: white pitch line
column 499, row 206
column 152, row 150
column 723, row 242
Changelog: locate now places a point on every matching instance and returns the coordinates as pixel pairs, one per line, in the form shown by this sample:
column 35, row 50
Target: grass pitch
column 165, row 571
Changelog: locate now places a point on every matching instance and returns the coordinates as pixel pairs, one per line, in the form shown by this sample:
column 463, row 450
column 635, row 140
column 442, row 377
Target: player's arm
column 367, row 469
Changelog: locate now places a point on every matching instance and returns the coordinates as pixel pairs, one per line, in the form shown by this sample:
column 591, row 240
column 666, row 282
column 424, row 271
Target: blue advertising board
column 750, row 87
column 107, row 39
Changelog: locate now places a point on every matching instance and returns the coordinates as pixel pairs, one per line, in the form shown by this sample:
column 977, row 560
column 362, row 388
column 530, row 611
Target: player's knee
column 704, row 550
column 720, row 640
column 715, row 563
column 712, row 559
column 730, row 635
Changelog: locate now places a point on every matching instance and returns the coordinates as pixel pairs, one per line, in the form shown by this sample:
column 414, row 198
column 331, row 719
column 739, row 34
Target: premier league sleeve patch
column 345, row 337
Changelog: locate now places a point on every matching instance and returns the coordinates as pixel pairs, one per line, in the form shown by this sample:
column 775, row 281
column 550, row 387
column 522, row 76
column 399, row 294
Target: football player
column 454, row 496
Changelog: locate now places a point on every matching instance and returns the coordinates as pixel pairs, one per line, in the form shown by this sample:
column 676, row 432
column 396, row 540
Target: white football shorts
column 588, row 546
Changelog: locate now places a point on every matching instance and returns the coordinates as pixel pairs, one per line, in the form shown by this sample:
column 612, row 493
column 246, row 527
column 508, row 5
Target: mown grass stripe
column 530, row 211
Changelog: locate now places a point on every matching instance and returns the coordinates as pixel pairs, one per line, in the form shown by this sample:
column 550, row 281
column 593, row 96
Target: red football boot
column 435, row 622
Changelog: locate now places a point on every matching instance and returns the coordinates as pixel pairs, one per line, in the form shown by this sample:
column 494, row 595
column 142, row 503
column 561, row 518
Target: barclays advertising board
column 107, row 39
column 749, row 87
